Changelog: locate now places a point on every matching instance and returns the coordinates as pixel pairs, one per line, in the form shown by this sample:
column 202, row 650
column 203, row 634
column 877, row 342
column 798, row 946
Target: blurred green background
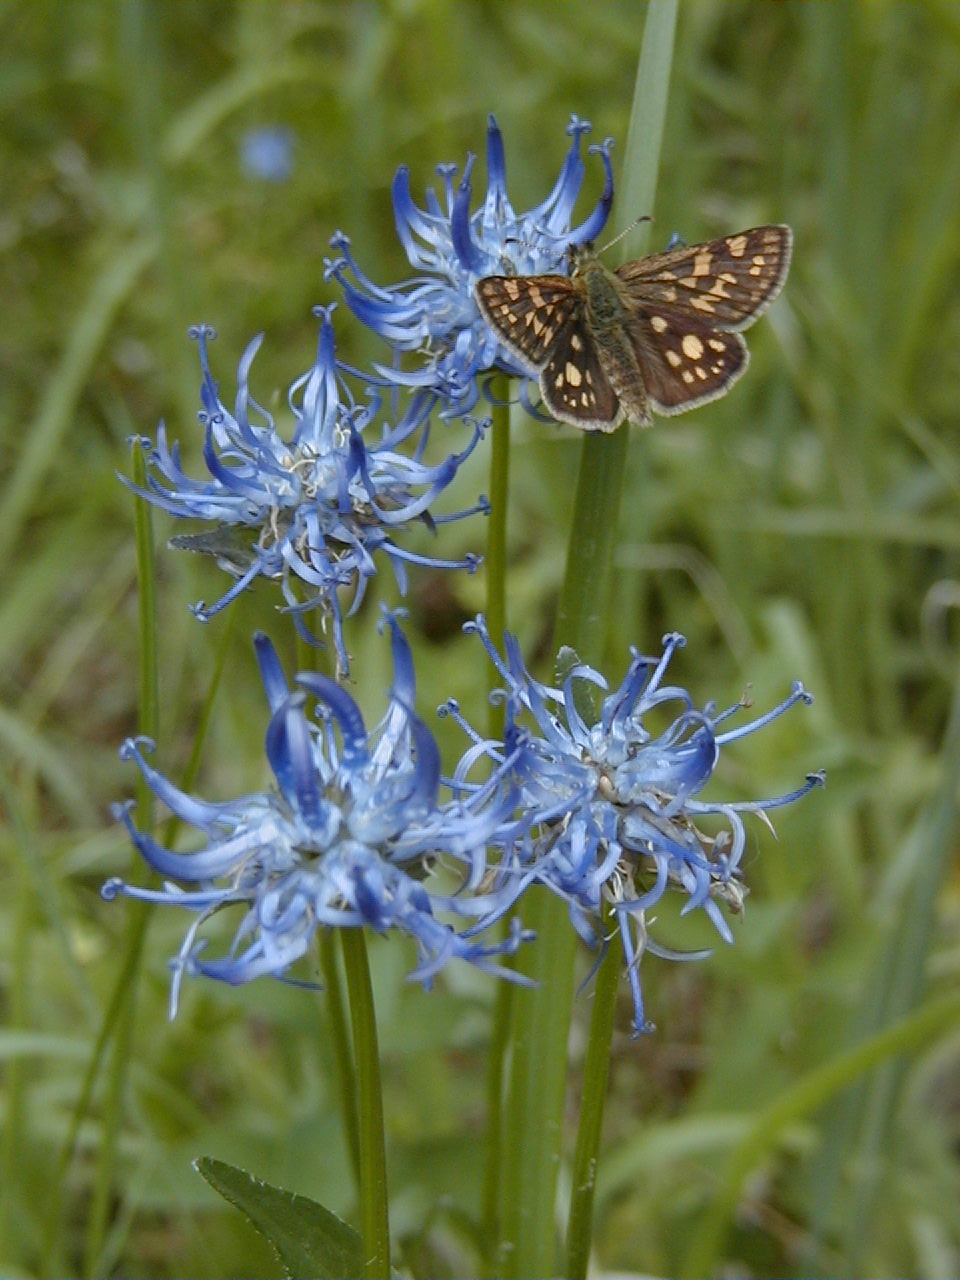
column 803, row 527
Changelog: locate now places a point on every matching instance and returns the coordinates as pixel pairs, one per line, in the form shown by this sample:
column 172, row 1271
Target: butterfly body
column 609, row 318
column 660, row 334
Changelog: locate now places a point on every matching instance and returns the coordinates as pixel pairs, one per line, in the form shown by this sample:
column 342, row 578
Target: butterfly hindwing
column 574, row 386
column 685, row 362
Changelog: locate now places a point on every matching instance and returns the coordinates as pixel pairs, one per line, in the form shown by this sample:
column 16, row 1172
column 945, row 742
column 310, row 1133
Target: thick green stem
column 495, row 561
column 539, row 1063
column 496, row 614
column 374, row 1220
column 641, row 163
column 582, row 617
column 496, row 1117
column 338, row 1033
column 596, row 1071
column 538, row 1074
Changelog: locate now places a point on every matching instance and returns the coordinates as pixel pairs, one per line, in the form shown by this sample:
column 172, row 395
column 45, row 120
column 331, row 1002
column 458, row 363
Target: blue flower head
column 612, row 810
column 313, row 511
column 345, row 837
column 267, row 153
column 451, row 248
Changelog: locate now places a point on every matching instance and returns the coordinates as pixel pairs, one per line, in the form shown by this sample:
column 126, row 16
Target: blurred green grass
column 804, row 526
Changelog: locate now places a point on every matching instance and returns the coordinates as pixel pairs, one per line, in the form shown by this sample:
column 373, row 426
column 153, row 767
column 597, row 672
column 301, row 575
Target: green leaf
column 309, row 1240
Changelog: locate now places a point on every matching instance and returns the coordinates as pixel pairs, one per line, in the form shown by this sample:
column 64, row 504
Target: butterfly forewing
column 528, row 313
column 728, row 282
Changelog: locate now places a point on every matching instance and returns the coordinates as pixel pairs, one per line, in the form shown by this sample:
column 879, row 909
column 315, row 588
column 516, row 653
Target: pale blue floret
column 450, row 249
column 267, row 153
column 313, row 511
column 345, row 838
column 611, row 810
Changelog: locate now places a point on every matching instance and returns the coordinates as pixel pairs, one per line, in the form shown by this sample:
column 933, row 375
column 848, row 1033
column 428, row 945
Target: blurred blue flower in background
column 311, row 512
column 451, row 248
column 266, row 153
column 610, row 808
column 344, row 839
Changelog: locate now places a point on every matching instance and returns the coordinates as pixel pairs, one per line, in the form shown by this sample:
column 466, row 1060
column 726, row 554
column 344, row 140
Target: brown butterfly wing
column 726, row 283
column 683, row 362
column 575, row 387
column 541, row 320
column 527, row 313
column 688, row 305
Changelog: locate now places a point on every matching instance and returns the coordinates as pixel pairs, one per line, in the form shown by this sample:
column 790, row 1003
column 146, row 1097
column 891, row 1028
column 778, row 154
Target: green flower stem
column 337, row 1044
column 338, row 1038
column 596, row 1071
column 542, row 1024
column 496, row 614
column 538, row 1076
column 374, row 1221
column 490, row 1211
column 122, row 1011
column 641, row 164
column 495, row 561
column 582, row 616
column 539, row 1062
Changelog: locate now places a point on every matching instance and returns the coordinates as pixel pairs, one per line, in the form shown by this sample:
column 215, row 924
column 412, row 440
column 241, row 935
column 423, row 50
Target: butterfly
column 657, row 335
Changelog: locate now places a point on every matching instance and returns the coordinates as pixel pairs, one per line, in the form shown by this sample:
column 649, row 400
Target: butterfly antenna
column 644, row 217
column 529, row 244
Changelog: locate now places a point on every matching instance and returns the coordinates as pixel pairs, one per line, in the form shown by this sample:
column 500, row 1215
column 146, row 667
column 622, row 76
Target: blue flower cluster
column 579, row 795
column 344, row 839
column 451, row 248
column 608, row 810
column 596, row 808
column 314, row 509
